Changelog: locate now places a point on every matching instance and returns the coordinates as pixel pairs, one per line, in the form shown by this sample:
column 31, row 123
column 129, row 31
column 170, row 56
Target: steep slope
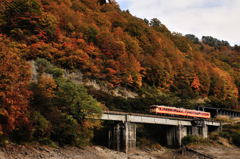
column 112, row 46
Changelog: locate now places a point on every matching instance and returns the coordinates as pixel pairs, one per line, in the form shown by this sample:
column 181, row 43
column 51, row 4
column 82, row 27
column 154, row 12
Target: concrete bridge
column 122, row 136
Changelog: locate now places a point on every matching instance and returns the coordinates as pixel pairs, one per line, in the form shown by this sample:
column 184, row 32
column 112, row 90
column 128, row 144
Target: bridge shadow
column 101, row 136
column 156, row 134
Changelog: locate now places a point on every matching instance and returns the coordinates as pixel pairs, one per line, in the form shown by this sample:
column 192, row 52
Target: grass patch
column 144, row 143
column 194, row 139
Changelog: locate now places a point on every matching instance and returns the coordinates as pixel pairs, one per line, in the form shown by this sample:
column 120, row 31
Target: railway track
column 200, row 155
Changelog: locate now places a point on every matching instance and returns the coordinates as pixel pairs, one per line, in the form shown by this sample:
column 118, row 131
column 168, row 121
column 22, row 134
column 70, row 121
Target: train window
column 153, row 107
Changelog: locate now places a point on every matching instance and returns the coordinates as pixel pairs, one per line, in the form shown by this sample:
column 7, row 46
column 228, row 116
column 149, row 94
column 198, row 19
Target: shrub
column 45, row 66
column 41, row 127
column 193, row 139
column 147, row 143
column 232, row 133
column 3, row 140
column 65, row 129
column 223, row 118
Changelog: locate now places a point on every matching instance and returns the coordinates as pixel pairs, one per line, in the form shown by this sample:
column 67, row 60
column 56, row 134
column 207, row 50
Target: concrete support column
column 109, row 138
column 175, row 134
column 205, row 131
column 171, row 135
column 122, row 137
column 195, row 130
column 129, row 137
column 114, row 135
column 181, row 133
column 221, row 127
column 126, row 137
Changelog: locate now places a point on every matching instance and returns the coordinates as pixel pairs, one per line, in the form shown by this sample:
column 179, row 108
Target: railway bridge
column 122, row 135
column 220, row 111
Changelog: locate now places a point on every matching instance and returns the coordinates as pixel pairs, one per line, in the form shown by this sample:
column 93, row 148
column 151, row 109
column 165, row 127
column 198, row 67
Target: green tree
column 64, row 107
column 158, row 26
column 181, row 42
column 192, row 38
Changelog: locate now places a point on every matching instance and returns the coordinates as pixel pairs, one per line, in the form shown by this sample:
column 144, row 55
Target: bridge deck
column 150, row 119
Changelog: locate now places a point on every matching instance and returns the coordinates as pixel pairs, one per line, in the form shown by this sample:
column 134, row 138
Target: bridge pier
column 175, row 134
column 122, row 137
column 199, row 131
column 171, row 135
column 204, row 130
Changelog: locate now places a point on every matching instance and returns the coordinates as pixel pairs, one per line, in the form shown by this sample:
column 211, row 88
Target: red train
column 165, row 110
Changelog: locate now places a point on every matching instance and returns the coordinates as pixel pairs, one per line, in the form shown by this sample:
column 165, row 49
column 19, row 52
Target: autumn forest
column 43, row 41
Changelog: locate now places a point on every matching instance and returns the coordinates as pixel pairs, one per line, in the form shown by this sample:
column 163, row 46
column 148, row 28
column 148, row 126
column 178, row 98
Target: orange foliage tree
column 195, row 83
column 14, row 93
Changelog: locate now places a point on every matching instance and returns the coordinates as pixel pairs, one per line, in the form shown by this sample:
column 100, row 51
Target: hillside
column 106, row 46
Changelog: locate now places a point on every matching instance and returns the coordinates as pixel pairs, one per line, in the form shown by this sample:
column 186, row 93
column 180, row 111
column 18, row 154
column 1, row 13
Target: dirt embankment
column 95, row 152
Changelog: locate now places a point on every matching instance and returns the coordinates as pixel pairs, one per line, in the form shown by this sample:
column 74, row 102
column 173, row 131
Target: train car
column 173, row 111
